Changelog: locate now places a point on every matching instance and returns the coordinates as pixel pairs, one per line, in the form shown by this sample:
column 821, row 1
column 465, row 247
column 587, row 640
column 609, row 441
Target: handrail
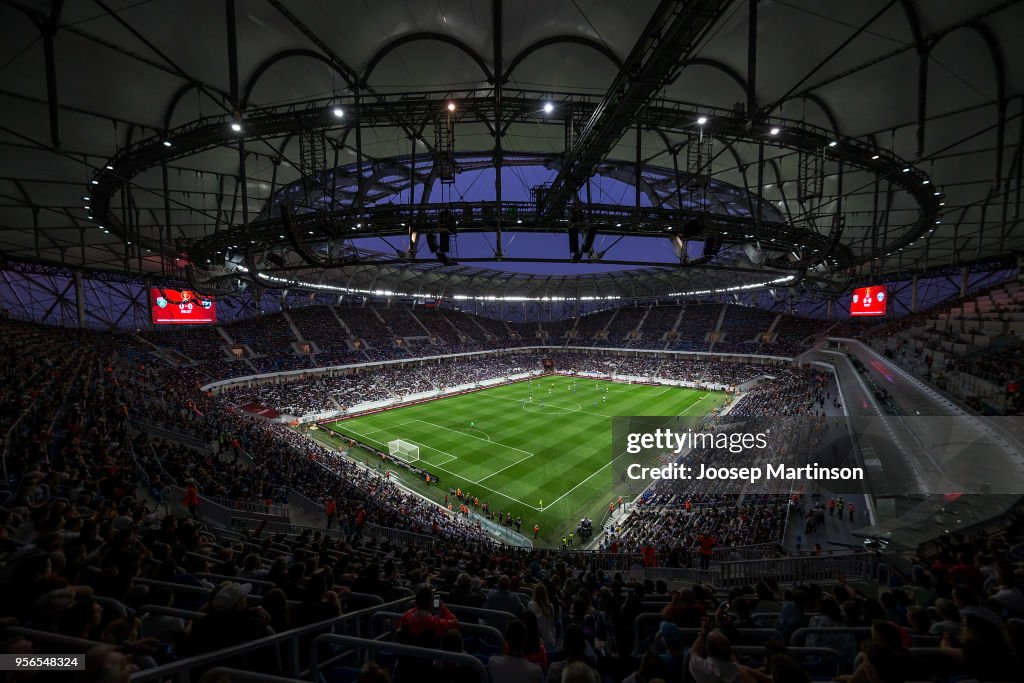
column 258, row 507
column 179, row 669
column 499, row 616
column 256, row 583
column 242, row 676
column 396, row 648
column 169, row 611
column 171, row 481
column 67, row 644
column 799, row 636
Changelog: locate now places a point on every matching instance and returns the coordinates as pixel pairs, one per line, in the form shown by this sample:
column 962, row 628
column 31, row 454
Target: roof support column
column 639, row 167
column 48, row 28
column 167, row 219
column 752, row 61
column 496, row 10
column 79, row 298
column 922, row 98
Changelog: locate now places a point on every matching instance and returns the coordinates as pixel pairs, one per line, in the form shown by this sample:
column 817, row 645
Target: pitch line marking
column 488, row 439
column 504, row 468
column 536, row 409
column 458, row 476
column 363, row 435
column 592, row 475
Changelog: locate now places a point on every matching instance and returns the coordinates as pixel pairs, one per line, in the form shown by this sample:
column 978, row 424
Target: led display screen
column 869, row 301
column 181, row 307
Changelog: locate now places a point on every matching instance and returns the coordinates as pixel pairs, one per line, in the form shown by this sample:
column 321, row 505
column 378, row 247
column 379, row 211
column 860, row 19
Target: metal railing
column 815, row 568
column 361, row 647
column 288, row 642
column 254, row 506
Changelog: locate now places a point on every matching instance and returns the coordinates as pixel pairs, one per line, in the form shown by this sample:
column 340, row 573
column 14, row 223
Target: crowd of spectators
column 660, row 320
column 84, row 554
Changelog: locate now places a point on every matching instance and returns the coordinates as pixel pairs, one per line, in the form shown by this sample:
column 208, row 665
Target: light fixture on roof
column 338, row 112
column 775, row 131
column 548, row 107
column 942, row 203
column 926, row 182
column 94, row 181
column 936, row 193
column 167, row 142
column 236, row 126
column 451, row 106
column 874, row 157
column 109, row 167
column 906, row 169
column 702, row 120
column 86, row 197
column 833, row 143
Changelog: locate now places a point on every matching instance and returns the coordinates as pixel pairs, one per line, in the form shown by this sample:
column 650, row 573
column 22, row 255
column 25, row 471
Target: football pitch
column 540, row 450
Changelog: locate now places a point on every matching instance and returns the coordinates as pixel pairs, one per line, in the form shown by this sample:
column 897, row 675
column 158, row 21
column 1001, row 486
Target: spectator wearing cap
column 229, row 620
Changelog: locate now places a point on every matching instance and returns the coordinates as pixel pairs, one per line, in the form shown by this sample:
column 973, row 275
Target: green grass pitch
column 518, row 458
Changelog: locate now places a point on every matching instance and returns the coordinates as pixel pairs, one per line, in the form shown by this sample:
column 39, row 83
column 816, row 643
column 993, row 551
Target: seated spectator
column 513, row 667
column 423, row 625
column 651, row 669
column 503, row 599
column 449, row 672
column 464, row 594
column 229, row 620
column 534, row 650
column 541, row 607
column 711, row 659
column 575, row 659
column 984, row 652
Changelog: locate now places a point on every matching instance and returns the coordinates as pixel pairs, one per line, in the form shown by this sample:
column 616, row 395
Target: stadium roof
column 927, row 86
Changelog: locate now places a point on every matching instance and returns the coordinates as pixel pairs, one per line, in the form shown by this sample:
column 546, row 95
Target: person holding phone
column 427, row 621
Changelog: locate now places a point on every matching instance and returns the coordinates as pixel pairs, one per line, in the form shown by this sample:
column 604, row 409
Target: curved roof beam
column 178, row 95
column 555, row 40
column 416, row 37
column 281, row 56
column 999, row 67
column 716, row 65
column 824, row 106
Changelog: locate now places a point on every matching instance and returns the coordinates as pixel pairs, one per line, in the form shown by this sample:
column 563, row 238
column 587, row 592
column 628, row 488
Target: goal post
column 404, row 450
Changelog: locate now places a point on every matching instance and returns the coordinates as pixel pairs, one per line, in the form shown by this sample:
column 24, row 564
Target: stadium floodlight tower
column 403, row 450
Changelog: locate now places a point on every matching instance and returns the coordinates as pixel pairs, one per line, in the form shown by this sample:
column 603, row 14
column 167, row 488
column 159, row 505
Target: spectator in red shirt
column 966, row 573
column 707, row 546
column 424, row 624
column 191, row 499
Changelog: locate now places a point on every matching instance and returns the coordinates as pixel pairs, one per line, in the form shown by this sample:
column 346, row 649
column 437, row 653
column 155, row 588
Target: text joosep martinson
column 736, row 442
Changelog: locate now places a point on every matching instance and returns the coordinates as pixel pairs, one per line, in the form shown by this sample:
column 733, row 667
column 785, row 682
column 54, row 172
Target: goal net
column 403, row 450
